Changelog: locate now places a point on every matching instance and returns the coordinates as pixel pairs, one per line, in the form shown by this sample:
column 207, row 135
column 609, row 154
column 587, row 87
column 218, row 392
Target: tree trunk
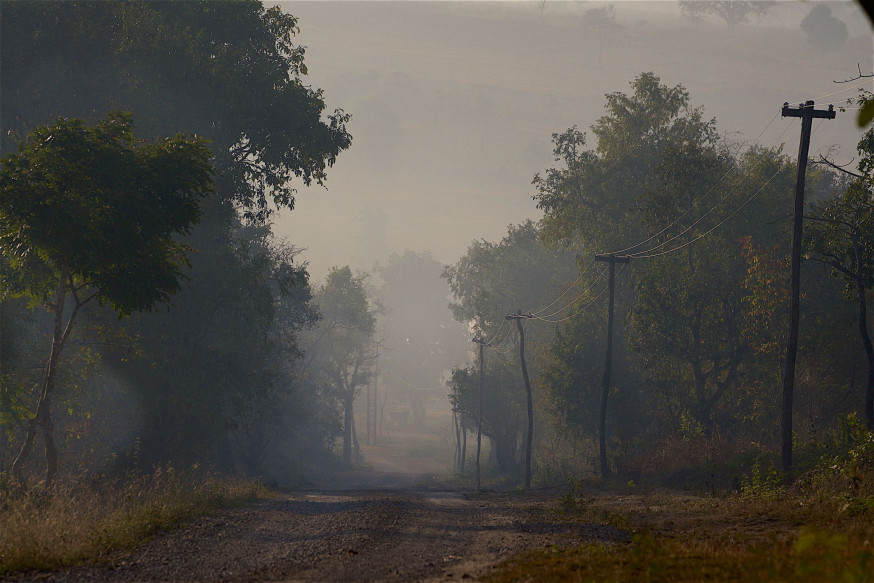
column 457, row 460
column 463, row 447
column 866, row 338
column 43, row 418
column 356, row 447
column 347, row 431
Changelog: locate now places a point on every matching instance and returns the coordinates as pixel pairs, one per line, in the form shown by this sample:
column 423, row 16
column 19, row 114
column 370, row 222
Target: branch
column 826, row 161
column 850, row 226
column 857, row 77
column 835, row 263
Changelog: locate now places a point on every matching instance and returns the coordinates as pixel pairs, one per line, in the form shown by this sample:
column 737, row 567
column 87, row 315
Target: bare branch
column 857, row 77
column 827, row 162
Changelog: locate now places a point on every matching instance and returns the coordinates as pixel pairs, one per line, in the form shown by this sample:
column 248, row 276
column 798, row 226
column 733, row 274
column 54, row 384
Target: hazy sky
column 454, row 104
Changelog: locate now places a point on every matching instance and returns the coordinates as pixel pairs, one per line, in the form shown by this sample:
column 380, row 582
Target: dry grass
column 78, row 521
column 676, row 538
column 821, row 529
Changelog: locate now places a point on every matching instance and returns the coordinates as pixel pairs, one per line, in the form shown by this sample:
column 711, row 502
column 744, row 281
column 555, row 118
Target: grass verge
column 819, row 529
column 83, row 521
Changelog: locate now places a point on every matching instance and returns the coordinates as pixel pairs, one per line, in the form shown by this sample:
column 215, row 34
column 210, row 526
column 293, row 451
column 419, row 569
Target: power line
column 701, row 199
column 720, row 223
column 573, row 283
column 842, row 90
column 547, row 318
column 584, row 308
column 711, row 209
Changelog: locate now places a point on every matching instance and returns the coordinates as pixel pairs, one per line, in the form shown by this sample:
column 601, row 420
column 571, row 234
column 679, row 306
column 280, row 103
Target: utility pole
column 479, row 417
column 519, row 316
column 612, row 260
column 806, row 112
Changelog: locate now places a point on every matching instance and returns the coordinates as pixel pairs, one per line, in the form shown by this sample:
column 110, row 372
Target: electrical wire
column 733, row 213
column 512, row 346
column 700, row 199
column 720, row 201
column 587, row 291
column 841, row 90
column 584, row 308
column 573, row 283
column 719, row 224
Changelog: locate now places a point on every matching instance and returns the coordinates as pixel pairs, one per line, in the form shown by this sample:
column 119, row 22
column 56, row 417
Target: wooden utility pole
column 519, row 316
column 612, row 260
column 806, row 112
column 479, row 416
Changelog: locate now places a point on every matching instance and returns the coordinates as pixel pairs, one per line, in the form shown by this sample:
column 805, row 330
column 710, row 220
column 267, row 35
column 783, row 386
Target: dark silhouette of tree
column 344, row 351
column 229, row 71
column 824, row 31
column 840, row 234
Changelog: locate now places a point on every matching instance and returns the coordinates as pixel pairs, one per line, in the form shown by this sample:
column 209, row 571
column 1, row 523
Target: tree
column 840, row 236
column 87, row 213
column 229, row 71
column 824, row 31
column 503, row 410
column 344, row 348
column 591, row 199
column 233, row 73
column 733, row 12
column 490, row 281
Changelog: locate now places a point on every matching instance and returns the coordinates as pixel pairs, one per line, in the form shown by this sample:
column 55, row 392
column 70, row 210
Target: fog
column 454, row 104
column 267, row 358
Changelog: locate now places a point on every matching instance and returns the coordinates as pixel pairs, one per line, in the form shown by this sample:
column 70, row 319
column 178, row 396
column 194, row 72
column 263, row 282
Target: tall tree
column 227, row 71
column 490, row 281
column 343, row 345
column 86, row 213
column 840, row 235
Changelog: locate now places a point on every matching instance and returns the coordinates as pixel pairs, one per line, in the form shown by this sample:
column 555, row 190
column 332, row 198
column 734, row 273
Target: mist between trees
column 222, row 352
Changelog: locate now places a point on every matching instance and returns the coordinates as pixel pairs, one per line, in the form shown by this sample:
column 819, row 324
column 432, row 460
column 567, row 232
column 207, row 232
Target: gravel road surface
column 357, row 535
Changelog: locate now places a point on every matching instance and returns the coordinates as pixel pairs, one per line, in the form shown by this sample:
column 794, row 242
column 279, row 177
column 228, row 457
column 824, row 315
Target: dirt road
column 361, row 535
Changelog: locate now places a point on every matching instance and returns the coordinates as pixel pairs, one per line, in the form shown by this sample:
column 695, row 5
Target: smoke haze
column 454, row 104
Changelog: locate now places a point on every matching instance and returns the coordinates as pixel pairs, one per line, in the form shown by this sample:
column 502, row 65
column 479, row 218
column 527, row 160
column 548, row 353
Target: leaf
column 866, row 114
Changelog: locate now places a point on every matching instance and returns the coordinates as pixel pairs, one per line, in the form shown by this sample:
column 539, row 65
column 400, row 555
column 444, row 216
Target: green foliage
column 217, row 375
column 492, row 280
column 229, row 71
column 762, row 483
column 341, row 352
column 503, row 405
column 592, row 198
column 90, row 202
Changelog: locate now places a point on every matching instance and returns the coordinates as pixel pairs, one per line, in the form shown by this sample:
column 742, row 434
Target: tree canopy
column 227, row 71
column 91, row 205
